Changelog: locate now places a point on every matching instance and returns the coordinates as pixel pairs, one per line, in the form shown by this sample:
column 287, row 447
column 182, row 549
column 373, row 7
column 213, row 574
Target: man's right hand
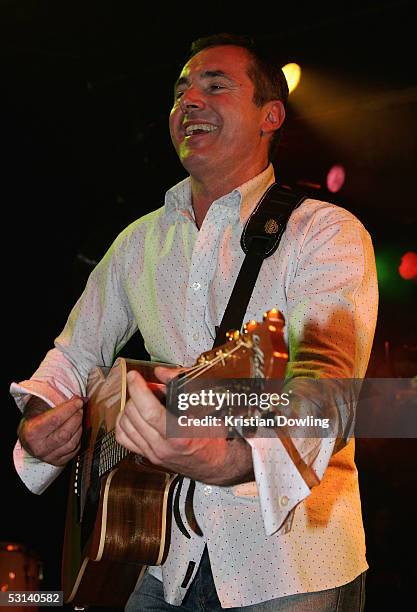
column 52, row 434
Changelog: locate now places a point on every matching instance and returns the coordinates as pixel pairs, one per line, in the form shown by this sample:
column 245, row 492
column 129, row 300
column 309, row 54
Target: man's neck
column 204, row 193
column 203, row 198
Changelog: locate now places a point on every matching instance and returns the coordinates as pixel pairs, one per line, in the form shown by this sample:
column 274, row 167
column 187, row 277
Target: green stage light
column 391, row 285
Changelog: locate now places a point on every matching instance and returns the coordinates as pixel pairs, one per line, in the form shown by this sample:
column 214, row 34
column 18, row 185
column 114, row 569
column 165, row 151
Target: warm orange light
column 12, row 575
column 292, row 73
column 280, row 355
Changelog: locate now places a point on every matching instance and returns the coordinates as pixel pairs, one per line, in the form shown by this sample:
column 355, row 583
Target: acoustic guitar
column 119, row 505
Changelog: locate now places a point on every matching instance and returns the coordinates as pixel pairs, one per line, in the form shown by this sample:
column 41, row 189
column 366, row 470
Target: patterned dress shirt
column 272, row 537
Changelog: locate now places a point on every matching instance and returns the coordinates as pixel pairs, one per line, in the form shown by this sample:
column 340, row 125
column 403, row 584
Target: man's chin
column 195, row 163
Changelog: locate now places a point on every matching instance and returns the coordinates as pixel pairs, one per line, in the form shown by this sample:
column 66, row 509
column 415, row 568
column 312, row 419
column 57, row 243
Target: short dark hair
column 265, row 72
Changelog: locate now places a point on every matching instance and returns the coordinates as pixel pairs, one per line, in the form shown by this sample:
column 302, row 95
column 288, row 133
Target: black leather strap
column 176, row 508
column 269, row 219
column 260, row 238
column 189, row 510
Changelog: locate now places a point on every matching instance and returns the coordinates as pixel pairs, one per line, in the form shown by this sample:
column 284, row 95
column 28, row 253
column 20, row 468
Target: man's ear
column 274, row 116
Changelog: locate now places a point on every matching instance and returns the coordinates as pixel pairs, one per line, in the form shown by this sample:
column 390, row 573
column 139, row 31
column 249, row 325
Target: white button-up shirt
column 273, row 537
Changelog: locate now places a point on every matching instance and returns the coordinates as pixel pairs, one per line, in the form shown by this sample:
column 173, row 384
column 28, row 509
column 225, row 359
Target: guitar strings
column 202, row 368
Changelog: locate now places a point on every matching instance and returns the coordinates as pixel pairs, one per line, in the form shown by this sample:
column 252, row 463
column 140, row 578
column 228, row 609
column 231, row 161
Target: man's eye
column 216, row 86
column 178, row 95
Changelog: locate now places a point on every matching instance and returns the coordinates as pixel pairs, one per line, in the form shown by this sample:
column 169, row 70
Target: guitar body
column 119, row 505
column 118, row 520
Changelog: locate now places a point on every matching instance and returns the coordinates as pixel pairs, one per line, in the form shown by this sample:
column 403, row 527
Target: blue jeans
column 202, row 597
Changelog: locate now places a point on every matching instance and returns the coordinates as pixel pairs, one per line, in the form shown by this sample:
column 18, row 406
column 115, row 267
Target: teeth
column 199, row 127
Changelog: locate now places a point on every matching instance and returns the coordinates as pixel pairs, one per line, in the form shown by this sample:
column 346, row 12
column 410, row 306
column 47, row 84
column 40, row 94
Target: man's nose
column 191, row 100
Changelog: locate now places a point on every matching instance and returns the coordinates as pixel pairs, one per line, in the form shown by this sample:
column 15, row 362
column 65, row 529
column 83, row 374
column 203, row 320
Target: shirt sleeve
column 98, row 326
column 331, row 315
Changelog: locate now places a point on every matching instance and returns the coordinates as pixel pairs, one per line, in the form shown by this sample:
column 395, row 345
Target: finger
column 143, row 409
column 66, row 438
column 166, row 374
column 140, row 432
column 131, row 439
column 54, row 418
column 146, row 417
column 67, row 452
column 41, row 446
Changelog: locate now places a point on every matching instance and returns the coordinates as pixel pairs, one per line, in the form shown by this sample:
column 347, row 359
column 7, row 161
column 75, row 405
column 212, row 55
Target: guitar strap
column 260, row 239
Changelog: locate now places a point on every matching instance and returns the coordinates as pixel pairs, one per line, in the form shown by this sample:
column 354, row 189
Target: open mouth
column 199, row 128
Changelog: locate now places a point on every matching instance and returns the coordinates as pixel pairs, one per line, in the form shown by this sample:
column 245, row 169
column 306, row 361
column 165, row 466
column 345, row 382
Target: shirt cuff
column 280, row 485
column 23, row 390
column 36, row 475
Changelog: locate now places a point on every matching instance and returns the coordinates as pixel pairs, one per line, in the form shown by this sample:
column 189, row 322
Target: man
column 270, row 542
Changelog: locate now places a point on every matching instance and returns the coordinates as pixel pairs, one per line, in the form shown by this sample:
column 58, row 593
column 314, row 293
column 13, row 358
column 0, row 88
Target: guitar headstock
column 258, row 351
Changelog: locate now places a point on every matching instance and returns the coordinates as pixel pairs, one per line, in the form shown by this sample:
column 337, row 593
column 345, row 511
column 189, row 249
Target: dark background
column 86, row 91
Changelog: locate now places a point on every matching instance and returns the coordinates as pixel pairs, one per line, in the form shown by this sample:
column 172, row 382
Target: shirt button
column 196, row 286
column 195, row 337
column 283, row 501
column 207, row 490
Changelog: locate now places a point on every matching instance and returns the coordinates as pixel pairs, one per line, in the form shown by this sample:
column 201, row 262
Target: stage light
column 292, row 73
column 332, row 179
column 396, row 280
column 408, row 266
column 335, row 178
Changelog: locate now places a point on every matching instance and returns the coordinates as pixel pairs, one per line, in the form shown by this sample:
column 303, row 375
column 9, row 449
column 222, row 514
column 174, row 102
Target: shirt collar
column 252, row 191
column 244, row 198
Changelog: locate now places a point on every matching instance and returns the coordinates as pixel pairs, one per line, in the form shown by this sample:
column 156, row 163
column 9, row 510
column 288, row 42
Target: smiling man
column 266, row 540
column 220, row 132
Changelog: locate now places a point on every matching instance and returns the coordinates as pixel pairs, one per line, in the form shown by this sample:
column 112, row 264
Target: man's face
column 214, row 123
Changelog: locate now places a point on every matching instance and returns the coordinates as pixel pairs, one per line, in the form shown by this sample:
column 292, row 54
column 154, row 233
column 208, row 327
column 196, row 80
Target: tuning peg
column 233, row 334
column 273, row 315
column 250, row 326
column 222, row 356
